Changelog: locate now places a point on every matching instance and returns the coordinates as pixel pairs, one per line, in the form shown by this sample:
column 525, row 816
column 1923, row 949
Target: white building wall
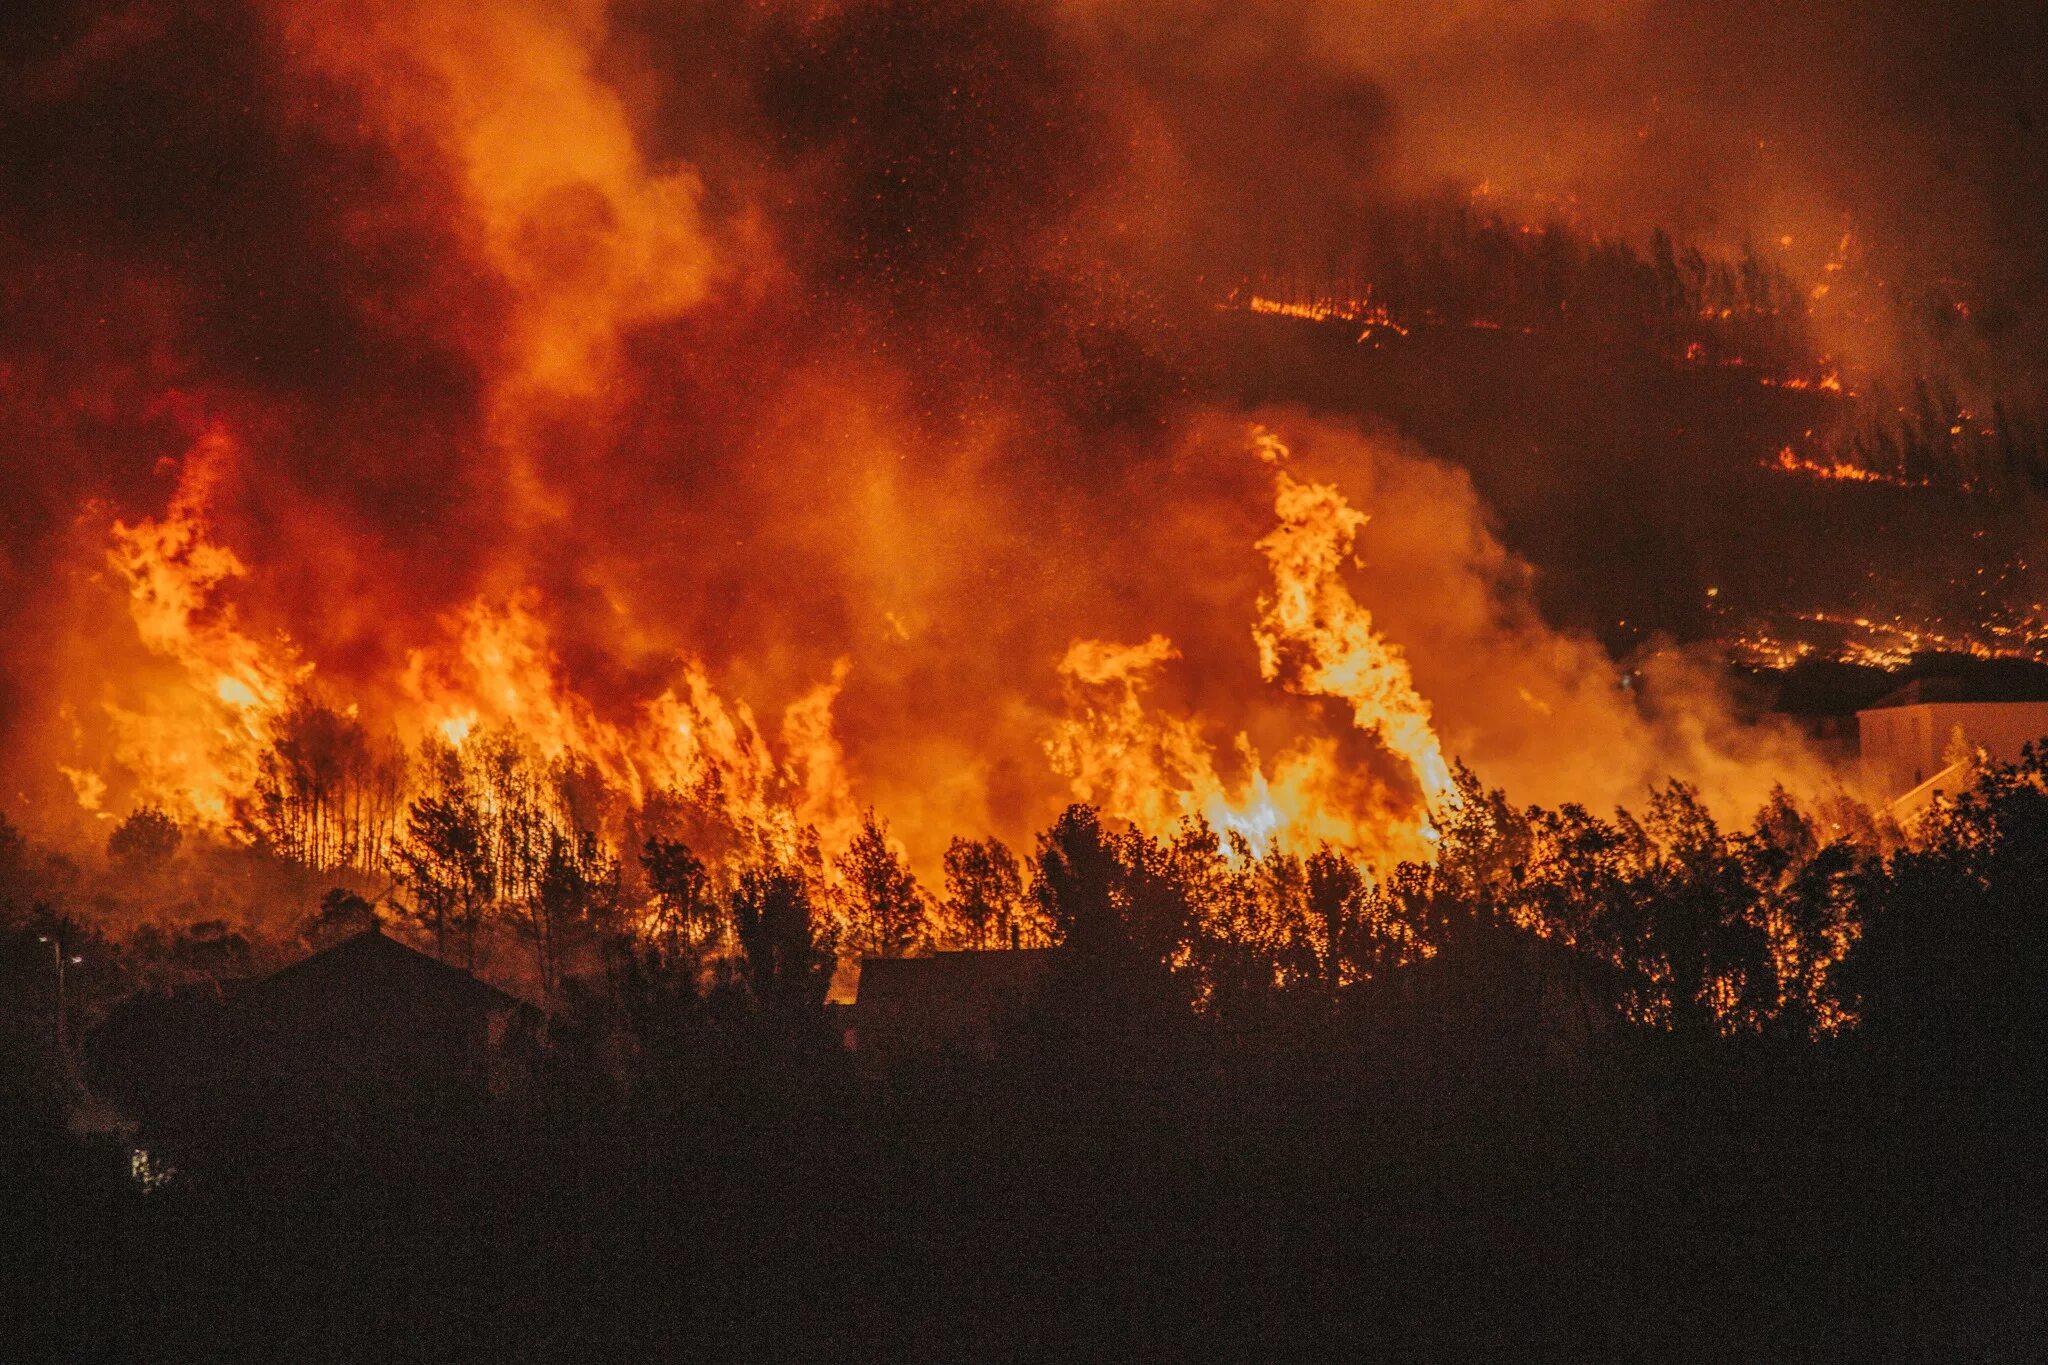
column 1903, row 746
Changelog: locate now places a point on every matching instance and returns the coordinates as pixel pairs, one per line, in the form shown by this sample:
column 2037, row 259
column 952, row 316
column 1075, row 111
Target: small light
column 42, row 938
column 76, row 959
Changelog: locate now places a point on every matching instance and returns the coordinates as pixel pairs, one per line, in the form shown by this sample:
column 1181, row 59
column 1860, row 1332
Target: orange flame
column 1314, row 639
column 192, row 746
column 191, row 737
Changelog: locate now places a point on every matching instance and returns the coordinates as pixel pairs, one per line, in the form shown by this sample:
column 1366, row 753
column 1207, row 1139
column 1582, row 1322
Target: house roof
column 373, row 954
column 962, row 978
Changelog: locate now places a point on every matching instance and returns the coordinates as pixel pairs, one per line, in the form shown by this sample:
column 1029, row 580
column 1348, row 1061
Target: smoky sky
column 950, row 253
column 918, row 153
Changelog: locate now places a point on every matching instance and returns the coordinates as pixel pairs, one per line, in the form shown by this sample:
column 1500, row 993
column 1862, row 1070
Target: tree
column 1075, row 882
column 342, row 913
column 789, row 954
column 1707, row 948
column 1121, row 912
column 577, row 891
column 885, row 908
column 443, row 860
column 14, row 878
column 145, row 842
column 984, row 891
column 684, row 906
column 326, row 795
column 1335, row 888
column 1951, row 966
column 1233, row 929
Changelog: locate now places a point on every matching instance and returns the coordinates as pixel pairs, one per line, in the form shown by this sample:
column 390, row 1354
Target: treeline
column 477, row 846
column 1933, row 437
column 1798, row 925
column 1694, row 1085
column 1458, row 264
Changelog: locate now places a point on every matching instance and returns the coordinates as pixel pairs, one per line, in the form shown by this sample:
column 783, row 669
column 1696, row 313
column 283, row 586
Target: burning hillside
column 741, row 422
column 1049, row 678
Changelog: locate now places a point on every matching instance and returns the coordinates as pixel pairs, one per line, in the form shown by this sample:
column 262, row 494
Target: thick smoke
column 776, row 336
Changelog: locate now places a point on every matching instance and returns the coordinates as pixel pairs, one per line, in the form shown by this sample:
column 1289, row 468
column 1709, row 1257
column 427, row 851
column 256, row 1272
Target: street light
column 58, row 959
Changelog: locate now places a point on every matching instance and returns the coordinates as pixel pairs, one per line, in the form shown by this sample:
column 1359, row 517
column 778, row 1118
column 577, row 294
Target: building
column 374, row 1022
column 365, row 1031
column 1914, row 741
column 947, row 1002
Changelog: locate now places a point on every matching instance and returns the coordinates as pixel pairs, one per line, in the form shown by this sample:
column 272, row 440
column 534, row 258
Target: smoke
column 1543, row 712
column 733, row 342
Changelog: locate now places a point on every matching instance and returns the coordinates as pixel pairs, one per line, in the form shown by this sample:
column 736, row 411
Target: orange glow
column 1790, row 461
column 191, row 743
column 1314, row 639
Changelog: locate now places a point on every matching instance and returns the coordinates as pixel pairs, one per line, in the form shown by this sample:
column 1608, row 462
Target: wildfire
column 1790, row 461
column 1313, row 639
column 192, row 735
column 191, row 743
column 1370, row 316
column 502, row 675
column 1890, row 644
column 195, row 737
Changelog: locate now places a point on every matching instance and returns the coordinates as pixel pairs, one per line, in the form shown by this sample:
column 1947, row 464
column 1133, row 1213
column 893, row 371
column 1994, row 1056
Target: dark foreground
column 1372, row 1189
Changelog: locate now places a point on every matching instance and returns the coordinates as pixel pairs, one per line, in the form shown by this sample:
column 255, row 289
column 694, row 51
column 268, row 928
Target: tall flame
column 191, row 745
column 191, row 735
column 1314, row 639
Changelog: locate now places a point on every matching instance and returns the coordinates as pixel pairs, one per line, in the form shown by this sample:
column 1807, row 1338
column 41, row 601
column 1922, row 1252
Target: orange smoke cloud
column 796, row 407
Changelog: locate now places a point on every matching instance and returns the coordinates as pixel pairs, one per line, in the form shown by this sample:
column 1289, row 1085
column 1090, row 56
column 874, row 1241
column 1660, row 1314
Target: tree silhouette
column 884, row 907
column 326, row 795
column 14, row 870
column 1336, row 889
column 1952, row 961
column 984, row 891
column 685, row 909
column 577, row 892
column 444, row 862
column 145, row 842
column 789, row 953
column 1075, row 884
column 341, row 913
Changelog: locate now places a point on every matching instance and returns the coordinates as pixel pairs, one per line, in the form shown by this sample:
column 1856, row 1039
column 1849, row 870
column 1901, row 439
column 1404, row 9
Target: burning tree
column 577, row 894
column 984, row 891
column 326, row 795
column 444, row 860
column 685, row 909
column 885, row 909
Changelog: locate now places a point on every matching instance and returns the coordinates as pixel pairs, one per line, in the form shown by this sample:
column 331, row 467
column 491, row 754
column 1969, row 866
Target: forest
column 494, row 857
column 1633, row 1086
column 1943, row 420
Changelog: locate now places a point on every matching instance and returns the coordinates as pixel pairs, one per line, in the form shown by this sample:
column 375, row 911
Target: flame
column 1151, row 769
column 192, row 743
column 502, row 673
column 1790, row 461
column 1313, row 639
column 1371, row 317
column 191, row 736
